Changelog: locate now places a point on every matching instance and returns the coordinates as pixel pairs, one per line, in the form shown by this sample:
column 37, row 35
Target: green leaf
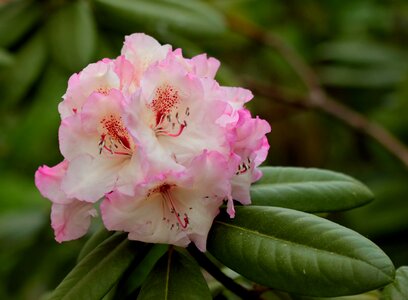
column 275, row 295
column 175, row 276
column 95, row 275
column 298, row 252
column 372, row 295
column 16, row 18
column 97, row 238
column 399, row 288
column 72, row 35
column 193, row 16
column 140, row 273
column 112, row 294
column 28, row 64
column 310, row 190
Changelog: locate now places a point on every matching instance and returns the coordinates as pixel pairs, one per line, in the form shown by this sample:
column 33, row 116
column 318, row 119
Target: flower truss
column 154, row 138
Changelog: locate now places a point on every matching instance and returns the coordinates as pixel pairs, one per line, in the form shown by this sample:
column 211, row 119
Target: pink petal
column 48, row 181
column 74, row 140
column 97, row 77
column 143, row 51
column 71, row 221
column 205, row 67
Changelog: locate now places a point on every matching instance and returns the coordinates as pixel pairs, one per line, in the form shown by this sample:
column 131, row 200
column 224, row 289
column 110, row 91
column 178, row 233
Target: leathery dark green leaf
column 136, row 278
column 96, row 239
column 97, row 273
column 310, row 190
column 298, row 252
column 175, row 276
column 399, row 288
column 371, row 295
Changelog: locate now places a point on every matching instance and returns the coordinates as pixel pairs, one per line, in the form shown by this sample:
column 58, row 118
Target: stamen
column 166, row 99
column 162, row 127
column 101, row 143
column 115, row 138
column 242, row 168
column 165, row 106
column 103, row 90
column 168, row 197
column 164, row 132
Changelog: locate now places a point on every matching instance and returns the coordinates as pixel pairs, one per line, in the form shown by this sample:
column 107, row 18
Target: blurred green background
column 355, row 51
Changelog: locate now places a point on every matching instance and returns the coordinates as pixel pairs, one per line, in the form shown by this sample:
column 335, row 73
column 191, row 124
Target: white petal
column 144, row 218
column 99, row 76
column 143, row 51
column 74, row 140
column 200, row 212
column 89, row 179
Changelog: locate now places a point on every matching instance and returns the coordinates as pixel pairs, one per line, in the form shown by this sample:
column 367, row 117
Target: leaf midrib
column 92, row 271
column 315, row 182
column 166, row 289
column 293, row 243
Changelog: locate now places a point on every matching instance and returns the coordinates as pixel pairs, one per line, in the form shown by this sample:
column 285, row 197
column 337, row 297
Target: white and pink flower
column 155, row 139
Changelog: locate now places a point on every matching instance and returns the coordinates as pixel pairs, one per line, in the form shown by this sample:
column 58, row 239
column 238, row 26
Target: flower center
column 103, row 90
column 168, row 197
column 114, row 136
column 168, row 120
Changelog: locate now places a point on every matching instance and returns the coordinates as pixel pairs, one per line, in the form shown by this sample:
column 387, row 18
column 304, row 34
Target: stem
column 229, row 283
column 317, row 96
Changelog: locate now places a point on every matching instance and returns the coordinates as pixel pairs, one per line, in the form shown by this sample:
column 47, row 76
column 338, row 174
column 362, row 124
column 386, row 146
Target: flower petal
column 97, row 77
column 74, row 140
column 251, row 145
column 205, row 67
column 71, row 221
column 175, row 208
column 89, row 178
column 143, row 51
column 184, row 118
column 48, row 181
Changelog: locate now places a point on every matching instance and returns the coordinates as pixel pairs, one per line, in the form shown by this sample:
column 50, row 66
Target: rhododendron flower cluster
column 157, row 141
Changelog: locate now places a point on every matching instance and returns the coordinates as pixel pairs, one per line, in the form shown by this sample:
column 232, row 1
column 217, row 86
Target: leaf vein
column 293, row 243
